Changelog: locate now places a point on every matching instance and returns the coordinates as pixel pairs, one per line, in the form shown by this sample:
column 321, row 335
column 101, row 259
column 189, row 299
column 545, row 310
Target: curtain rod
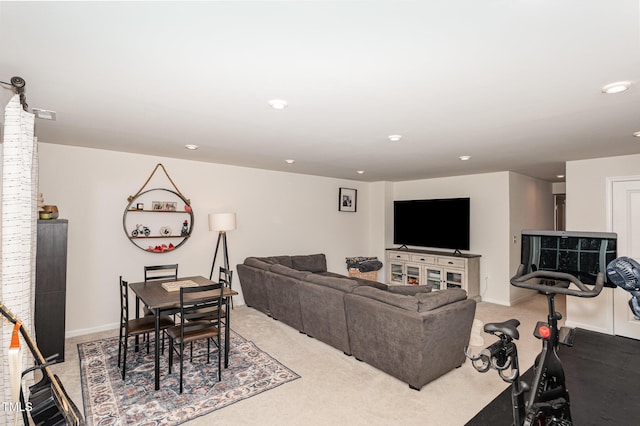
column 17, row 84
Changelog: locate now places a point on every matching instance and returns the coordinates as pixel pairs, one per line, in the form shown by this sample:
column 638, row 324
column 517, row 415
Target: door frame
column 611, row 181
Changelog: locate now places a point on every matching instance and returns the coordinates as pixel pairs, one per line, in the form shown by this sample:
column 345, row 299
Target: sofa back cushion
column 342, row 284
column 257, row 263
column 433, row 300
column 409, row 303
column 410, row 290
column 289, row 272
column 279, row 260
column 311, row 262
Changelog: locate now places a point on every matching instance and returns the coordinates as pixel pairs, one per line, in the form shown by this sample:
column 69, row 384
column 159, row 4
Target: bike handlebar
column 520, row 280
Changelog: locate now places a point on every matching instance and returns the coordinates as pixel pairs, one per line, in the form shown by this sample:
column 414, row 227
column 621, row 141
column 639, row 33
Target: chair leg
column 124, row 357
column 181, row 363
column 170, row 353
column 219, row 359
column 119, row 347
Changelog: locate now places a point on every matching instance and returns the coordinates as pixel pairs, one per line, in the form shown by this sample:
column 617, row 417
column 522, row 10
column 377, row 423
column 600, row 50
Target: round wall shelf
column 158, row 220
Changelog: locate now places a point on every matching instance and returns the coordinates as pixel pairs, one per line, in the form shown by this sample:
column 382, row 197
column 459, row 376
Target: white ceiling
column 513, row 83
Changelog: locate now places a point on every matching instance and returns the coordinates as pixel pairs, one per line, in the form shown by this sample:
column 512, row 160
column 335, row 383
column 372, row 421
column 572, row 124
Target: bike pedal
column 566, row 335
column 536, row 331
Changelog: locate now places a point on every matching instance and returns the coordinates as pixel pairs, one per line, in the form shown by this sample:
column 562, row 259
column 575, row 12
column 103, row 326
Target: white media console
column 439, row 269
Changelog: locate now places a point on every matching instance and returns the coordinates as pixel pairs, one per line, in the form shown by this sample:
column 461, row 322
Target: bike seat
column 508, row 328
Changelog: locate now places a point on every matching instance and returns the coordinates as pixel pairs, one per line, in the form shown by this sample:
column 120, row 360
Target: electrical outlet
column 515, row 239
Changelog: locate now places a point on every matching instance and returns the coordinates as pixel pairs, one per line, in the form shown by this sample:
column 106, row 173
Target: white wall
column 489, row 237
column 531, row 207
column 277, row 213
column 587, row 210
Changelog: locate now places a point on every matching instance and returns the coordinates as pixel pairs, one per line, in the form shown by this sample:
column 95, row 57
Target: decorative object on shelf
column 163, row 215
column 221, row 222
column 52, row 210
column 162, row 248
column 347, row 200
column 140, row 231
column 40, row 202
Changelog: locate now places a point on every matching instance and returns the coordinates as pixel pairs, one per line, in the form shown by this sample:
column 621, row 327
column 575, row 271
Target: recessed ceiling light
column 617, row 87
column 560, row 176
column 465, row 157
column 395, row 138
column 289, row 161
column 45, row 114
column 191, row 147
column 636, row 134
column 278, row 103
column 360, row 172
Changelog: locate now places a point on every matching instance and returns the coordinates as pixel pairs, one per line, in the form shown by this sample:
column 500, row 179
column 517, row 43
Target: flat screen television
column 582, row 254
column 437, row 223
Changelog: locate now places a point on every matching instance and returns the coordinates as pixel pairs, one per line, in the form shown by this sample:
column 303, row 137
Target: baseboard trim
column 83, row 331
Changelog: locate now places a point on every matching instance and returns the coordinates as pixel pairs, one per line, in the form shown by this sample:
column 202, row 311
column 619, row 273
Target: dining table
column 161, row 301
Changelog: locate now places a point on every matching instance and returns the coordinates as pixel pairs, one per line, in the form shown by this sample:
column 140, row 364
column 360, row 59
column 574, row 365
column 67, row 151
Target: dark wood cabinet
column 51, row 283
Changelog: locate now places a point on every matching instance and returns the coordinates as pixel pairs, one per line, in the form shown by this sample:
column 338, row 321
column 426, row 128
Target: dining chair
column 159, row 272
column 134, row 327
column 224, row 278
column 196, row 307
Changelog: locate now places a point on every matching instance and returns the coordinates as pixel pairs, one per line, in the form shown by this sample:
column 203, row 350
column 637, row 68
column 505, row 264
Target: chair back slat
column 225, row 276
column 197, row 304
column 161, row 272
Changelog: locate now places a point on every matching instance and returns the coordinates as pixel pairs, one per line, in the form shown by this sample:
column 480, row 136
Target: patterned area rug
column 108, row 400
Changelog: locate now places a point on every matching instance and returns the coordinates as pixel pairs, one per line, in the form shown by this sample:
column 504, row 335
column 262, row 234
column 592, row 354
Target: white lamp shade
column 222, row 221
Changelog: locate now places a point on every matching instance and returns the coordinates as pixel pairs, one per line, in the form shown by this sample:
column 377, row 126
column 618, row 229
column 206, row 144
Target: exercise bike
column 547, row 402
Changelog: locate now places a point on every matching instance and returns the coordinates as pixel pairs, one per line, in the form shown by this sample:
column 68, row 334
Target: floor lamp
column 221, row 222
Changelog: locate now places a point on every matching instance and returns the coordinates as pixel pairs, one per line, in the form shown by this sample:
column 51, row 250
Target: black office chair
column 198, row 323
column 134, row 327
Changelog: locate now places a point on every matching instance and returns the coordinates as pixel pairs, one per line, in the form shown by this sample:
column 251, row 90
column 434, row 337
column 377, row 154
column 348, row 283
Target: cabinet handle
column 450, row 263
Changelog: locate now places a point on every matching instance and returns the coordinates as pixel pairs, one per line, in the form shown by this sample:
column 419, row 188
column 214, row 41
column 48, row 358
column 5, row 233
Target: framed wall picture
column 347, row 200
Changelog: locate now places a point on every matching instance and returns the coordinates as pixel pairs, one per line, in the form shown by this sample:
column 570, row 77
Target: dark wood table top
column 155, row 296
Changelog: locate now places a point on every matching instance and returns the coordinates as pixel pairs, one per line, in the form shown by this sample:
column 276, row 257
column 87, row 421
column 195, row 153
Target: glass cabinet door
column 454, row 279
column 413, row 274
column 434, row 278
column 396, row 273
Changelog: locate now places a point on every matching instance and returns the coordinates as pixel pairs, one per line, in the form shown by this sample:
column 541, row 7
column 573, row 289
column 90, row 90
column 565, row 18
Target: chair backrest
column 225, row 276
column 124, row 302
column 197, row 305
column 161, row 272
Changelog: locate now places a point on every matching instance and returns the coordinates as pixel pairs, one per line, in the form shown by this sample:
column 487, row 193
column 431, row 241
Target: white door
column 625, row 215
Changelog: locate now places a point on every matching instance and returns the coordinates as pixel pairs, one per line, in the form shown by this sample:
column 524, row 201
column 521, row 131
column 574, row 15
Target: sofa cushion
column 409, row 303
column 338, row 283
column 409, row 289
column 311, row 262
column 257, row 263
column 289, row 272
column 376, row 284
column 279, row 260
column 433, row 300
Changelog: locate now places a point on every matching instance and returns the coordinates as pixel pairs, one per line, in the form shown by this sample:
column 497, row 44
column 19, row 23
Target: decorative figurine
column 185, row 228
column 140, row 231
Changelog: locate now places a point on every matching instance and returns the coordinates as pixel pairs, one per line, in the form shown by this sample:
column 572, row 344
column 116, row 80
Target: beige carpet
column 337, row 389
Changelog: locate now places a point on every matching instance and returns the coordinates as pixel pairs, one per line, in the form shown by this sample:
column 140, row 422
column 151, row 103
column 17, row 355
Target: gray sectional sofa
column 408, row 332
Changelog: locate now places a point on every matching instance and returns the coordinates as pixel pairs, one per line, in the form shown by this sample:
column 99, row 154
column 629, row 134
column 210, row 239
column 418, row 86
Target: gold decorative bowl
column 52, row 210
